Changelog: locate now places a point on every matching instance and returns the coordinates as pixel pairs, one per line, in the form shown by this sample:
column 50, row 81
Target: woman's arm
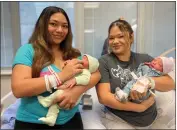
column 23, row 85
column 164, row 83
column 70, row 97
column 107, row 98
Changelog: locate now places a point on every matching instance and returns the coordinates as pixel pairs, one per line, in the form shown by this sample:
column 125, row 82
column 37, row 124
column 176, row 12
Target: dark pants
column 74, row 123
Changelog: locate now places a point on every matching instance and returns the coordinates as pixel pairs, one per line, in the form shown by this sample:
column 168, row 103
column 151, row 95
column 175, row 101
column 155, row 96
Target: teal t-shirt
column 30, row 110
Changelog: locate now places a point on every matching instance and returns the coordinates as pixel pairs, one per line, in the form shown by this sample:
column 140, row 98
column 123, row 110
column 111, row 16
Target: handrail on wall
column 167, row 52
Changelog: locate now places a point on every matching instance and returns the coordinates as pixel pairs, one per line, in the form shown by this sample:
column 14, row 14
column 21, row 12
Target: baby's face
column 157, row 64
column 85, row 62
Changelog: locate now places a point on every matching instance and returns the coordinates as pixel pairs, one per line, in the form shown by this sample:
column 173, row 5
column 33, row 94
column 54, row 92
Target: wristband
column 47, row 83
column 57, row 79
column 52, row 81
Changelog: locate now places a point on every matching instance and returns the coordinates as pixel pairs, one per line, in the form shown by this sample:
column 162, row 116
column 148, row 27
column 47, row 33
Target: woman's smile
column 58, row 36
column 116, row 47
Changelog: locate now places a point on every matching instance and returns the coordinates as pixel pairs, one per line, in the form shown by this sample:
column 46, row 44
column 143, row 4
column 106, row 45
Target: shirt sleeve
column 104, row 71
column 24, row 55
column 83, row 78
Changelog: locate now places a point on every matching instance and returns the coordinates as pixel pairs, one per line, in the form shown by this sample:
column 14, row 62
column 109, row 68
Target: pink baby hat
column 168, row 64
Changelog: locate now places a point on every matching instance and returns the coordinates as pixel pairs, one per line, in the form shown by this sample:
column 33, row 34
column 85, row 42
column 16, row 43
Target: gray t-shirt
column 117, row 73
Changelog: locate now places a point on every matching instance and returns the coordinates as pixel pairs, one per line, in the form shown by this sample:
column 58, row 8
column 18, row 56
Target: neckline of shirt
column 124, row 62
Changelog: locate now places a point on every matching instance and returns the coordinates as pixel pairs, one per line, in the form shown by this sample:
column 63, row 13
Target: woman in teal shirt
column 49, row 45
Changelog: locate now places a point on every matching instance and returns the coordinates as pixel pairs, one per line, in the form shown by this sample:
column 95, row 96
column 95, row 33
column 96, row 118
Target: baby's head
column 163, row 64
column 90, row 63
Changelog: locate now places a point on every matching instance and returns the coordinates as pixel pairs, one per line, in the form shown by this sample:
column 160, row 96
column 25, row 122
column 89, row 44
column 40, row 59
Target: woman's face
column 117, row 41
column 58, row 28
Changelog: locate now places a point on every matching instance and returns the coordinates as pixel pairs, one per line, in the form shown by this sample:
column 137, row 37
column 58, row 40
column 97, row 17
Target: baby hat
column 93, row 63
column 168, row 64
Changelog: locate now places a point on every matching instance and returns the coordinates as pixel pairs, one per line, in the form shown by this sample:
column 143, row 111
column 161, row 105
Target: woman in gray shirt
column 115, row 69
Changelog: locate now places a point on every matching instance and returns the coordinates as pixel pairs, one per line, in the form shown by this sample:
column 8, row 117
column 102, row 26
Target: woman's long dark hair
column 41, row 39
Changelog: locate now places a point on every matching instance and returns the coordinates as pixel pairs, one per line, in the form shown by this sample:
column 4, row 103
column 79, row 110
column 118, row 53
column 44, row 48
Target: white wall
column 164, row 27
column 5, row 90
column 5, row 85
column 157, row 29
column 10, row 32
column 6, row 31
column 97, row 18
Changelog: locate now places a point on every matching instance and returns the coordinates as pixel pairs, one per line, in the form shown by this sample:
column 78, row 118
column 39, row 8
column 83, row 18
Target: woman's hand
column 141, row 87
column 68, row 84
column 71, row 68
column 68, row 99
column 135, row 95
column 147, row 103
column 70, row 96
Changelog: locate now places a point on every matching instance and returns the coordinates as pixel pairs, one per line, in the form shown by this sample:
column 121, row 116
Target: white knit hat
column 168, row 64
column 93, row 63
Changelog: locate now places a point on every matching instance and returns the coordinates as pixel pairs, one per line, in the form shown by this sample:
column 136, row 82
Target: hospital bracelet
column 52, row 80
column 47, row 83
column 57, row 79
